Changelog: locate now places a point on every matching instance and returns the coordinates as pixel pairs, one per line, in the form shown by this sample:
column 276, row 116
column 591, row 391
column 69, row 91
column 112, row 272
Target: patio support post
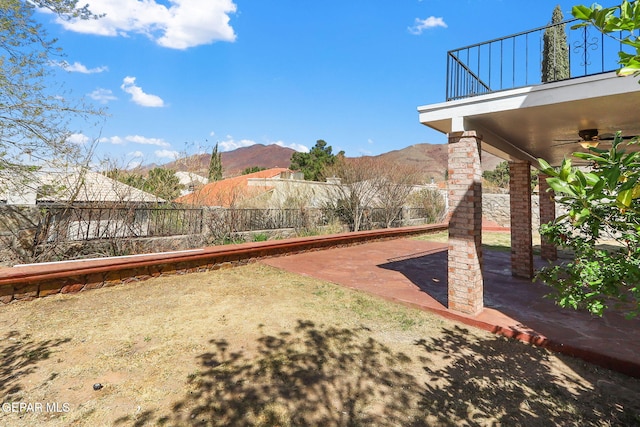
column 548, row 250
column 465, row 283
column 520, row 205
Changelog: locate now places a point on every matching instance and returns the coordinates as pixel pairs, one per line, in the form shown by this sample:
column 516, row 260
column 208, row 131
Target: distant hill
column 430, row 159
column 234, row 162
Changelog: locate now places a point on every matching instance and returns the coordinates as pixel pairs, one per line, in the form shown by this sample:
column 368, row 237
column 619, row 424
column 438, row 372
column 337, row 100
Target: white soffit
column 529, row 123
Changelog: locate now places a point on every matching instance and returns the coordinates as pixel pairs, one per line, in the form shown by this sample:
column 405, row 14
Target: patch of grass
column 496, row 241
column 491, row 240
column 307, row 232
column 232, row 240
column 440, row 236
column 334, row 227
column 255, row 345
column 260, row 237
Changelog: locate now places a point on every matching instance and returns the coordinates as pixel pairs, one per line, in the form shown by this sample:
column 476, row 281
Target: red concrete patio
column 414, row 272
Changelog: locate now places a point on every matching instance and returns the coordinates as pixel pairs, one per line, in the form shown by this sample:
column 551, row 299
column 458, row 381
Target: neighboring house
column 191, row 181
column 233, row 191
column 290, row 190
column 79, row 205
column 65, row 187
column 272, row 188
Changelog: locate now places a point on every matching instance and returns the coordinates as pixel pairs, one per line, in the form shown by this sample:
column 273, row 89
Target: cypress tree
column 555, row 50
column 215, row 165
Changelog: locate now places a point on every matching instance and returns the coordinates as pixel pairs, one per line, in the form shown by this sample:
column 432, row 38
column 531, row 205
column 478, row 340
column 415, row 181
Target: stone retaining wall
column 495, row 207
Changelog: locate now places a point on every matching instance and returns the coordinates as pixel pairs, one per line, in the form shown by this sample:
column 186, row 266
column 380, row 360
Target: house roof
column 73, row 185
column 228, row 191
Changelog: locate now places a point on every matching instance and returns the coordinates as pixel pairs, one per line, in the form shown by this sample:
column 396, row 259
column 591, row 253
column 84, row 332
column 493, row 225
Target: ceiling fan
column 589, row 138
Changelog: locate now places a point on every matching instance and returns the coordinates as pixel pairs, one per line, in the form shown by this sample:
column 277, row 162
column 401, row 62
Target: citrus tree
column 603, row 203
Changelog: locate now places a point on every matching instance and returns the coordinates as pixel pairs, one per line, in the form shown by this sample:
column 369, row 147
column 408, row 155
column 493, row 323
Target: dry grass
column 258, row 346
column 496, row 240
column 501, row 241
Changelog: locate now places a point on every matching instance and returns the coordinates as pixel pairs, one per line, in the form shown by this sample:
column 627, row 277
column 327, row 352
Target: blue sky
column 177, row 76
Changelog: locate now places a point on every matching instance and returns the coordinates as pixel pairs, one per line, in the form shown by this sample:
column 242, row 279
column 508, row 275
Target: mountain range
column 430, row 159
column 236, row 161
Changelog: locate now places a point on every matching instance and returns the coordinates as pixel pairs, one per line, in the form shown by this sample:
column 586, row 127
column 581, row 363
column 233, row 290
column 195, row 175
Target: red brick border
column 39, row 280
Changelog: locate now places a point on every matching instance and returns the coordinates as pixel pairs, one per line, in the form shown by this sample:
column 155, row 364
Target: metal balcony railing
column 516, row 61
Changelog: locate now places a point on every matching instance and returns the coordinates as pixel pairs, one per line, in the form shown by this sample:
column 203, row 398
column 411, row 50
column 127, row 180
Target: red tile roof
column 228, row 191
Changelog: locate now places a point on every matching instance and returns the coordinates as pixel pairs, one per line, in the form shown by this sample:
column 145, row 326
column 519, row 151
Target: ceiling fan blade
column 561, row 142
column 612, row 136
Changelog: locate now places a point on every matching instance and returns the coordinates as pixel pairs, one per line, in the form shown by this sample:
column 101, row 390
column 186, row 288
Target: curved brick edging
column 623, row 366
column 39, row 280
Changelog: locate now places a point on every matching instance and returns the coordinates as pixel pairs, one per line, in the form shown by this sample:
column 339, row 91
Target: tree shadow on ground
column 503, row 382
column 313, row 376
column 316, row 375
column 19, row 356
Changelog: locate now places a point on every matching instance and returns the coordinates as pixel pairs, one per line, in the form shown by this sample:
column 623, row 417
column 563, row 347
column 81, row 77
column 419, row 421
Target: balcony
column 517, row 61
column 496, row 88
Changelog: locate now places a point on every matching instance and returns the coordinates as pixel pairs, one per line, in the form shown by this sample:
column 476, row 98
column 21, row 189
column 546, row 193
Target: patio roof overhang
column 537, row 121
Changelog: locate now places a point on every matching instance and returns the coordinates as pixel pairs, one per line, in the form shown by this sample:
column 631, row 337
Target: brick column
column 520, row 205
column 547, row 196
column 465, row 223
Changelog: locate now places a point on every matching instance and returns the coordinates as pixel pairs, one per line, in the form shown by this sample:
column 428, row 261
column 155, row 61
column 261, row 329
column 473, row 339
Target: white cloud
column 370, row 141
column 424, row 24
column 133, row 164
column 77, row 67
column 167, row 154
column 135, row 159
column 137, row 139
column 78, row 138
column 115, row 140
column 103, row 96
column 298, row 147
column 230, row 144
column 183, row 24
column 137, row 94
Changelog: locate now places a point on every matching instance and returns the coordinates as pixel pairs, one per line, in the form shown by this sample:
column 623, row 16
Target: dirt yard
column 257, row 346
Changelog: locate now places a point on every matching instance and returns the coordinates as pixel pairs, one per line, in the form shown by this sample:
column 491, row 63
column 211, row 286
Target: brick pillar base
column 547, row 196
column 465, row 282
column 520, row 204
